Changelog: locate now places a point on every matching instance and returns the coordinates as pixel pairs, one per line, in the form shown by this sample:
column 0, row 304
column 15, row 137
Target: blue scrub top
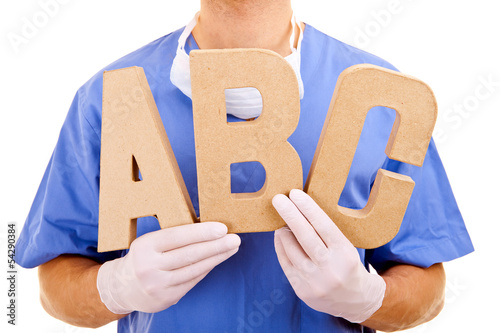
column 248, row 292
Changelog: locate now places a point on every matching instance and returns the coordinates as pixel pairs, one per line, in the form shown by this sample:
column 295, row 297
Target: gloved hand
column 323, row 267
column 162, row 266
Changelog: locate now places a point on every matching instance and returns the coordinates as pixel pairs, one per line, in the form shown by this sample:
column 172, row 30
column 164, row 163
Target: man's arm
column 413, row 296
column 159, row 269
column 68, row 292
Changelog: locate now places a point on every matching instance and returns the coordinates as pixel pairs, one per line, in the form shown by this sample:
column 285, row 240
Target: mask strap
column 301, row 35
column 294, row 22
column 187, row 31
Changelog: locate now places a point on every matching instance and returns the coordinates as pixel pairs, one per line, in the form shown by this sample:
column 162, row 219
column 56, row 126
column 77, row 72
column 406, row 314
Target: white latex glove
column 323, row 267
column 162, row 266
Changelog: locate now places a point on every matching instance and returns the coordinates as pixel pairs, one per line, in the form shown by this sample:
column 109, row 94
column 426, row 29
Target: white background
column 451, row 45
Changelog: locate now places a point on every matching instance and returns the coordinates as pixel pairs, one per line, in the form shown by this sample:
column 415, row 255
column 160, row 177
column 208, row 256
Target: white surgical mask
column 244, row 103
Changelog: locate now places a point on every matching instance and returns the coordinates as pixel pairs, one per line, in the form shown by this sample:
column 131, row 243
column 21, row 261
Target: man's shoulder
column 155, row 58
column 343, row 52
column 155, row 55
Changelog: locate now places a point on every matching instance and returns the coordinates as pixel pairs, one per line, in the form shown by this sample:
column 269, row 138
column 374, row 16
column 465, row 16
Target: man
column 198, row 277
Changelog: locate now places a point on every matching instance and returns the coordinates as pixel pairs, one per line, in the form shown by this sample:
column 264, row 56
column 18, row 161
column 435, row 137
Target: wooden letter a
column 133, row 140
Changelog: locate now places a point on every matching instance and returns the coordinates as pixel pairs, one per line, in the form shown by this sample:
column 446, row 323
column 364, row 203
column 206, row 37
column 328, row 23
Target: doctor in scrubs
column 305, row 277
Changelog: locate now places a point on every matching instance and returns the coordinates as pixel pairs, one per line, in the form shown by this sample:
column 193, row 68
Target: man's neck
column 245, row 24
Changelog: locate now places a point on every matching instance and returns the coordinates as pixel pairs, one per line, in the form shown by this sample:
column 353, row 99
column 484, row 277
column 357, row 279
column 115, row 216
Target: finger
column 280, row 251
column 298, row 224
column 293, row 275
column 295, row 253
column 177, row 292
column 188, row 273
column 175, row 237
column 196, row 252
column 324, row 226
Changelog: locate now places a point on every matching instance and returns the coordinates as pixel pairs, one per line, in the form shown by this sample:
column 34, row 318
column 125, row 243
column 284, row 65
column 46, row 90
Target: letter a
column 133, row 139
column 360, row 88
column 219, row 143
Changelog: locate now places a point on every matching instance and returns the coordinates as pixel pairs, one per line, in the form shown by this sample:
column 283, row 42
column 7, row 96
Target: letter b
column 220, row 144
